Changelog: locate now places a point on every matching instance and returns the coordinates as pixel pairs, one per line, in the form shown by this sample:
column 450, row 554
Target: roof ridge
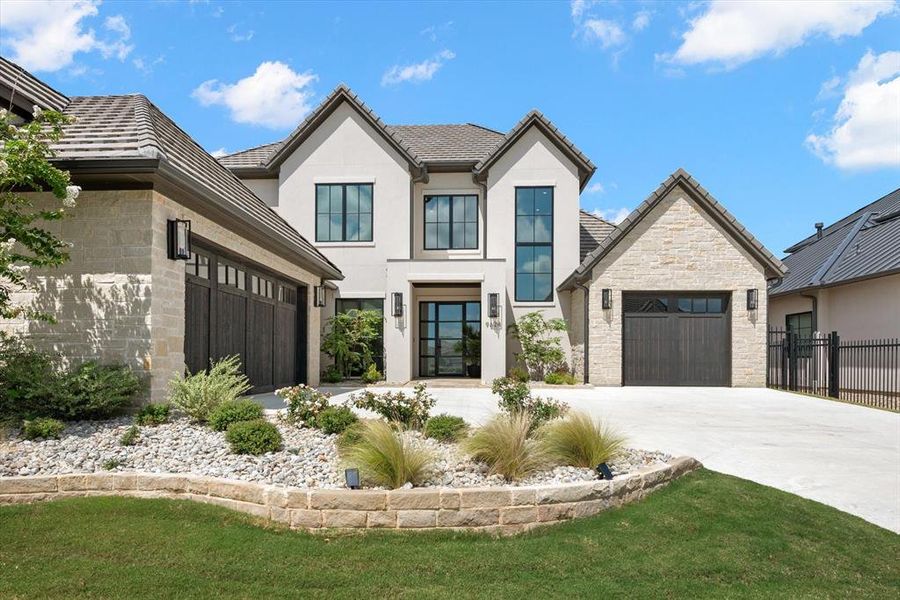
column 839, row 250
column 149, row 143
column 250, row 149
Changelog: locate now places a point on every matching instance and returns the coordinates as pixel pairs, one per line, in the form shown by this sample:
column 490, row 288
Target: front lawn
column 706, row 535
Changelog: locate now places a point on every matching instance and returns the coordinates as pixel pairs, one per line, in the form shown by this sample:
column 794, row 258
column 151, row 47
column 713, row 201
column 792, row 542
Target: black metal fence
column 861, row 371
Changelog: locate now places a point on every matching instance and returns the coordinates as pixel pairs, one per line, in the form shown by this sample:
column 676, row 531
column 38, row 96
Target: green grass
column 707, row 535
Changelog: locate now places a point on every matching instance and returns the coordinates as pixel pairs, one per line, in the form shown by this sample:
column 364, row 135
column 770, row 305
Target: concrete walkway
column 842, row 455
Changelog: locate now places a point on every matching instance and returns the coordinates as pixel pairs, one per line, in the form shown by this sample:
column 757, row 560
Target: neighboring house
column 246, row 288
column 845, row 277
column 456, row 231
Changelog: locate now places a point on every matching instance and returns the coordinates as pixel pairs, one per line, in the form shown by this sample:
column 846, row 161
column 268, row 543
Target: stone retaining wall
column 503, row 510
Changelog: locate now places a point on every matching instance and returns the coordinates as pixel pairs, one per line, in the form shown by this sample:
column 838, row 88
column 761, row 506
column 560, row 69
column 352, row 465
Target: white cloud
column 613, row 215
column 595, row 188
column 239, row 36
column 641, row 20
column 608, row 33
column 829, row 87
column 732, row 33
column 44, row 35
column 866, row 126
column 417, row 72
column 219, row 153
column 275, row 96
column 146, row 66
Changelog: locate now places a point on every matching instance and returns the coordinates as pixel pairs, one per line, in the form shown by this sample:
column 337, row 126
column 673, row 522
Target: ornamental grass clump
column 507, row 445
column 387, row 457
column 198, row 394
column 580, row 441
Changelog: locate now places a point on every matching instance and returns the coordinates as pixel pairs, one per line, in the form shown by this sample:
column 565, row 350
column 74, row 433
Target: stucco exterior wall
column 857, row 311
column 265, row 189
column 534, row 161
column 677, row 247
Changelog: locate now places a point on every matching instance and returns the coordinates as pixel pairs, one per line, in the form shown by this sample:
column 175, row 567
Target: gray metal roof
column 593, row 230
column 112, row 128
column 250, row 158
column 449, row 143
column 864, row 244
column 27, row 89
column 774, row 267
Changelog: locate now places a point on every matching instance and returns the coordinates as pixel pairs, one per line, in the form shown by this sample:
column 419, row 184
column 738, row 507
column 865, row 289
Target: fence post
column 834, row 354
column 793, row 343
column 785, row 349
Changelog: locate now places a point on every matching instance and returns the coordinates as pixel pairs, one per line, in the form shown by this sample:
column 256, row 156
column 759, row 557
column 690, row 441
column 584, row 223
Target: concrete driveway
column 842, row 455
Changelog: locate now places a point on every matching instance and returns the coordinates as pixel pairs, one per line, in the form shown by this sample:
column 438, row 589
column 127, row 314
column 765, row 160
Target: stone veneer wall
column 503, row 510
column 677, row 247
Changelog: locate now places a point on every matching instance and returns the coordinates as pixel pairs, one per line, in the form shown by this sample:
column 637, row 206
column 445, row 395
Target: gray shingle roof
column 449, row 143
column 251, row 158
column 593, row 230
column 29, row 88
column 864, row 244
column 111, row 128
column 774, row 267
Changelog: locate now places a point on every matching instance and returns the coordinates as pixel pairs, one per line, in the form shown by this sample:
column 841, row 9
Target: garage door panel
column 260, row 344
column 285, row 340
column 197, row 327
column 648, row 342
column 231, row 325
column 701, row 353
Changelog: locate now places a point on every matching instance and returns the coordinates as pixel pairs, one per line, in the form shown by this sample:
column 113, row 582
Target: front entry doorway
column 450, row 339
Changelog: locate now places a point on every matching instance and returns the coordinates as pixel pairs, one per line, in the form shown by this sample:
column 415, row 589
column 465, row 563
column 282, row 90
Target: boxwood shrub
column 253, row 437
column 446, row 428
column 42, row 428
column 233, row 411
column 335, row 419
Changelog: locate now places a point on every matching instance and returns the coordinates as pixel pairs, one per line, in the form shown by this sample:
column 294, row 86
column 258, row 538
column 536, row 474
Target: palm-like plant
column 580, row 441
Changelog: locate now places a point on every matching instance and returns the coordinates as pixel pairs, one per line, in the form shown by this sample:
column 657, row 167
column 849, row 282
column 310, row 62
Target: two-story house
column 455, row 231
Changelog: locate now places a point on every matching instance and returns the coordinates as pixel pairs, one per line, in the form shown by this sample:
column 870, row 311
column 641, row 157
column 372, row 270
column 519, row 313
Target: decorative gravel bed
column 309, row 457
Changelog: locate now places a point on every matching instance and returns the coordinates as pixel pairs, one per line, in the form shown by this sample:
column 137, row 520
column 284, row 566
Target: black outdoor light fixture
column 752, row 297
column 494, row 306
column 178, row 234
column 603, row 470
column 606, row 298
column 397, row 304
column 319, row 296
column 351, row 477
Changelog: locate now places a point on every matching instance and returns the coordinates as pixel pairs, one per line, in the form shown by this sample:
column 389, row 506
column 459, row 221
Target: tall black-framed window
column 342, row 305
column 534, row 244
column 451, row 222
column 344, row 212
column 801, row 325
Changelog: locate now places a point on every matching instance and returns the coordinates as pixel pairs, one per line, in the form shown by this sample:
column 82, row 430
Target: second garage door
column 676, row 338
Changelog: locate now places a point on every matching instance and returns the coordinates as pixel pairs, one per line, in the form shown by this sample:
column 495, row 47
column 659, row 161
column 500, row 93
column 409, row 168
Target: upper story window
column 344, row 212
column 451, row 222
column 534, row 244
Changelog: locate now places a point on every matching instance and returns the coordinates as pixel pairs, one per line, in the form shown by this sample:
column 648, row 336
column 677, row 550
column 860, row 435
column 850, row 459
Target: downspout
column 587, row 328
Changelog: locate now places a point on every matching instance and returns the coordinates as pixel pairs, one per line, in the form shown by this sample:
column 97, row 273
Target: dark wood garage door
column 232, row 308
column 679, row 338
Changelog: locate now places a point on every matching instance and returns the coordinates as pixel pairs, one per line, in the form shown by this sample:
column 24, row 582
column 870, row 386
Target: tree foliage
column 351, row 339
column 541, row 347
column 25, row 166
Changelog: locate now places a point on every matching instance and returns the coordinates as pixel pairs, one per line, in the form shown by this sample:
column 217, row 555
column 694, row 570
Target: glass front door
column 450, row 339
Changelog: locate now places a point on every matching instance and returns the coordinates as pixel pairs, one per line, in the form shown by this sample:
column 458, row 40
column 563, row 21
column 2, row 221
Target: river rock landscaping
column 309, row 457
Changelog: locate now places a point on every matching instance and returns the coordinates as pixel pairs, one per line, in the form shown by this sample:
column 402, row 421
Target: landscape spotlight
column 351, row 476
column 603, row 470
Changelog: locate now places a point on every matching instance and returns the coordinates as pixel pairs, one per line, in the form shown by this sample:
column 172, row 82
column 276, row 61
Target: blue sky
column 788, row 113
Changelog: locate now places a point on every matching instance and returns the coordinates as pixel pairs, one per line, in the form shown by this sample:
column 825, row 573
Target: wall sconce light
column 178, row 236
column 604, row 472
column 606, row 298
column 397, row 304
column 494, row 306
column 319, row 296
column 351, row 478
column 752, row 298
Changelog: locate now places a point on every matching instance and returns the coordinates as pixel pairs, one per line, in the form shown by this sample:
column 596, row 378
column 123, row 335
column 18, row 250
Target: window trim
column 517, row 243
column 450, row 238
column 343, row 187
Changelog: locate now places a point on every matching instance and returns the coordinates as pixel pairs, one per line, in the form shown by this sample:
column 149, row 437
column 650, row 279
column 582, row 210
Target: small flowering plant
column 303, row 403
column 25, row 153
column 397, row 407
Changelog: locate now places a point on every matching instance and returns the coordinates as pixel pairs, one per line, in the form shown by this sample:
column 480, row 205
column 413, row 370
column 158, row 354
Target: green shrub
column 253, row 437
column 508, row 448
column 42, row 428
column 446, row 428
column 335, row 419
column 130, row 437
column 580, row 441
column 33, row 385
column 304, row 404
column 155, row 413
column 198, row 394
column 351, row 338
column 409, row 411
column 385, row 457
column 232, row 411
column 518, row 374
column 559, row 378
column 515, row 397
column 540, row 341
column 372, row 374
column 350, row 436
column 332, row 374
column 111, row 463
